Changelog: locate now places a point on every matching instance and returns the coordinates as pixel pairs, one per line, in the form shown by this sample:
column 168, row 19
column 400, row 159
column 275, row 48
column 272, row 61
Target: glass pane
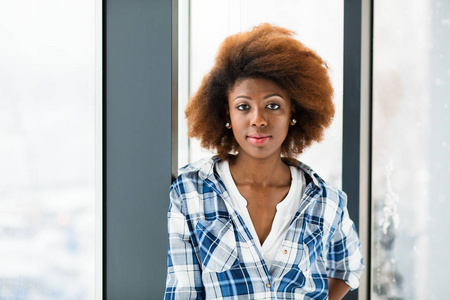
column 47, row 153
column 411, row 150
column 319, row 25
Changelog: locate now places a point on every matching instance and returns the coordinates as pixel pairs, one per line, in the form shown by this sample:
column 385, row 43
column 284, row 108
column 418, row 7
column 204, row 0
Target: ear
column 227, row 119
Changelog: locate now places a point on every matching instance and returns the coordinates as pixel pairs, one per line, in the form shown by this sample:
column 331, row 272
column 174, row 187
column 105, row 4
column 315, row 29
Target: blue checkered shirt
column 212, row 254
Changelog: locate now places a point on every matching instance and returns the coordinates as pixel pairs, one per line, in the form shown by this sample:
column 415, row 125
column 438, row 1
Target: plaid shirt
column 212, row 254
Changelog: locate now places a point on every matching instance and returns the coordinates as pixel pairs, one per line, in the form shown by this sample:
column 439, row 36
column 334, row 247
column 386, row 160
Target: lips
column 258, row 139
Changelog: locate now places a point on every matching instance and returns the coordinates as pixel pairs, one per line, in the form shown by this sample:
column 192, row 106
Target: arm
column 344, row 257
column 183, row 270
column 337, row 289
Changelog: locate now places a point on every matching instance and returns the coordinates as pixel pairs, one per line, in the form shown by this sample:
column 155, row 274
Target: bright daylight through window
column 411, row 150
column 48, row 110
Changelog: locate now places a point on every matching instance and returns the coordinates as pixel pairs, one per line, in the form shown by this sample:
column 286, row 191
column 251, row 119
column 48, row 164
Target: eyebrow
column 273, row 95
column 245, row 97
column 265, row 97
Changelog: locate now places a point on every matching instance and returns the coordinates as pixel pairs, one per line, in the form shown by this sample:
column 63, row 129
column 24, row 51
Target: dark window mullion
column 357, row 125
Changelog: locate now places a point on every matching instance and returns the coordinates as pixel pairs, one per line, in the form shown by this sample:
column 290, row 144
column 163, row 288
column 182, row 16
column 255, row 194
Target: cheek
column 238, row 121
column 284, row 128
column 282, row 122
column 238, row 135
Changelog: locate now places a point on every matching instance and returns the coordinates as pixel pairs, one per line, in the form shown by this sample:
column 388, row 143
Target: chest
column 261, row 206
column 225, row 249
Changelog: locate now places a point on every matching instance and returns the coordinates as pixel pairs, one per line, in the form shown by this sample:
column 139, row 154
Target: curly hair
column 268, row 52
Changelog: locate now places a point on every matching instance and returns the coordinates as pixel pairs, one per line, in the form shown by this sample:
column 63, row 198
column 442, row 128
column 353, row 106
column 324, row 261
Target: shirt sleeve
column 183, row 270
column 344, row 256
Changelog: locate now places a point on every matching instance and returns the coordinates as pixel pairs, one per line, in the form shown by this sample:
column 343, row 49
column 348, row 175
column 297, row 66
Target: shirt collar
column 205, row 169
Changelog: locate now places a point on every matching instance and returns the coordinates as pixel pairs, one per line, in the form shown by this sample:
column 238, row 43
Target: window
column 50, row 124
column 411, row 150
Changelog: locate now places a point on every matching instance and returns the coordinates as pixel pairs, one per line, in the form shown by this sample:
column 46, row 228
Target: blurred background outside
column 48, row 149
column 411, row 150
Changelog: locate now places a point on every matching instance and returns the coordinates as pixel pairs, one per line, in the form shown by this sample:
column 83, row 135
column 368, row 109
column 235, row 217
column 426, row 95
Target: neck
column 259, row 172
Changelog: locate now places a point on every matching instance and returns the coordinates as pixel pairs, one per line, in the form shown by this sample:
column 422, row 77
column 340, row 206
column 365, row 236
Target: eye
column 243, row 107
column 273, row 106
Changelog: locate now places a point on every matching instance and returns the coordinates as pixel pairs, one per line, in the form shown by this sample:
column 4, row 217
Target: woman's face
column 260, row 112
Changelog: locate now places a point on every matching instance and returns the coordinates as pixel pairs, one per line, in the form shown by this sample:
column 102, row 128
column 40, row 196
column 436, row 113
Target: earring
column 228, row 125
column 293, row 122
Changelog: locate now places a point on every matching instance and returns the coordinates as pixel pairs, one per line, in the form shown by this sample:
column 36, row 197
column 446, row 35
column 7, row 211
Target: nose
column 259, row 118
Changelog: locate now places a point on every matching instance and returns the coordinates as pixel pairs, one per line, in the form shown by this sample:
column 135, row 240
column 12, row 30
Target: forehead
column 256, row 86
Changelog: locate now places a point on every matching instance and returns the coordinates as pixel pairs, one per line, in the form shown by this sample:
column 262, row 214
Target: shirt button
column 268, row 285
column 285, row 251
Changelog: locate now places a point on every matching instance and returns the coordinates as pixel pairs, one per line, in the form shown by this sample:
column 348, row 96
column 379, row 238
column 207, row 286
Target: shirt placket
column 285, row 255
column 240, row 225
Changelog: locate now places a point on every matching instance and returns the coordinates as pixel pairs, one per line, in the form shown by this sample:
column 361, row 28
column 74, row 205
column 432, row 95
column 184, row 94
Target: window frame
column 137, row 142
column 357, row 126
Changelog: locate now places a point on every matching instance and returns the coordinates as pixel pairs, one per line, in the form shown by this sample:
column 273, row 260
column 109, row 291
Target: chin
column 261, row 154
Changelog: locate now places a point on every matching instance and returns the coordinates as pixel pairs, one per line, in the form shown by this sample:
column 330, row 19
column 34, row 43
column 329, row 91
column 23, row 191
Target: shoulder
column 195, row 182
column 202, row 166
column 313, row 179
column 324, row 196
column 195, row 173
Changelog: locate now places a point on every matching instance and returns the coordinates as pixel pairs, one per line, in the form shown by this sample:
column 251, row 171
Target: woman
column 253, row 222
